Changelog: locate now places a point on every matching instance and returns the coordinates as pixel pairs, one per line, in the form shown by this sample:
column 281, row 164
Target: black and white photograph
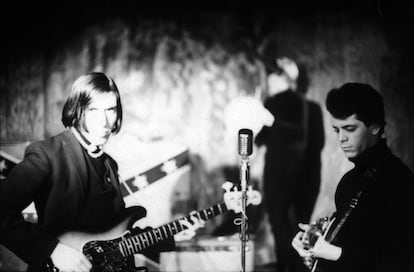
column 206, row 136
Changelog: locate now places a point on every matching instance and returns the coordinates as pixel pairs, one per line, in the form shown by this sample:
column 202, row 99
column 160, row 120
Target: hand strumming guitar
column 321, row 248
column 66, row 258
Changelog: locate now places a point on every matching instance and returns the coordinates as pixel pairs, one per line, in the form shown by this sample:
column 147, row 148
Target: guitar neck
column 137, row 243
column 330, row 234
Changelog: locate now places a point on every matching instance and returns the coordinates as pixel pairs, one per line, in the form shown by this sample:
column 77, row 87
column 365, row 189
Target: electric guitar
column 108, row 251
column 321, row 227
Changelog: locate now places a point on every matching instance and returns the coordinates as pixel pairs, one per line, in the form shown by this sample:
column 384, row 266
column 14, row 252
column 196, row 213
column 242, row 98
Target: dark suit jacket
column 52, row 174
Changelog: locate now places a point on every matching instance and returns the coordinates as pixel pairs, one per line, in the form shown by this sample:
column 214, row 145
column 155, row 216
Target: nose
column 106, row 117
column 342, row 136
column 102, row 118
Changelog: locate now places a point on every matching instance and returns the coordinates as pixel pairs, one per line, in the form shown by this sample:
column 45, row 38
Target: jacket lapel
column 78, row 163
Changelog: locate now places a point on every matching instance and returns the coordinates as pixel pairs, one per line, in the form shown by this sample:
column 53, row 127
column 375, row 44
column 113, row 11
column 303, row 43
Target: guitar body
column 77, row 240
column 101, row 249
column 108, row 251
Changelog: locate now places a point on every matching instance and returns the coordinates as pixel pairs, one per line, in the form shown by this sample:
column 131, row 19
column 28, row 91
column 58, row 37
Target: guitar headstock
column 233, row 197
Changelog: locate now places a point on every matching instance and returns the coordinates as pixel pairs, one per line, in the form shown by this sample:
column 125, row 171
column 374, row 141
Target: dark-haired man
column 72, row 181
column 372, row 230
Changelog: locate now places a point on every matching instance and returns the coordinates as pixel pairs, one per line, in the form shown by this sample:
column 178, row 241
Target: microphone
column 245, row 150
column 245, row 142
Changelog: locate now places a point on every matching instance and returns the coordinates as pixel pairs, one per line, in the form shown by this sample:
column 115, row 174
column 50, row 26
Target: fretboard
column 139, row 242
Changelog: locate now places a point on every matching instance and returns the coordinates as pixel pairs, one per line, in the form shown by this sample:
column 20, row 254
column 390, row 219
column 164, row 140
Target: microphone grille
column 245, row 142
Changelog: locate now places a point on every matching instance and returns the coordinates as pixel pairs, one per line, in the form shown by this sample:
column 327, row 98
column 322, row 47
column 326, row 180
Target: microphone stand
column 244, row 174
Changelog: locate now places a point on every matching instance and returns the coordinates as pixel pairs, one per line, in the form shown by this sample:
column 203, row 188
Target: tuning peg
column 227, row 186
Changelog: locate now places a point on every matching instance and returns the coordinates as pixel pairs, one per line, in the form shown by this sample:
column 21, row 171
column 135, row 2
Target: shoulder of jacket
column 47, row 145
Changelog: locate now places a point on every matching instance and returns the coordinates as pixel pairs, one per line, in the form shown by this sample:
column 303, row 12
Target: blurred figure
column 293, row 144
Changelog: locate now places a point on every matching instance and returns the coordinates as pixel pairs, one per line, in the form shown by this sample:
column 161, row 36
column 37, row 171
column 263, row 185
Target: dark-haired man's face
column 99, row 118
column 353, row 135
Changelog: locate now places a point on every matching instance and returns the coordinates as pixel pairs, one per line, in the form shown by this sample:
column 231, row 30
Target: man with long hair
column 72, row 181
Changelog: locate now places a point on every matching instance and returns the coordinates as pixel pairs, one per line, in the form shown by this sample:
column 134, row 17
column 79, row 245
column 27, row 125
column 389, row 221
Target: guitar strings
column 112, row 248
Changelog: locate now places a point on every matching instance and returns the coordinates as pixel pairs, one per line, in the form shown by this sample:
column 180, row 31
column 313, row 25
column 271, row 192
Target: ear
column 375, row 129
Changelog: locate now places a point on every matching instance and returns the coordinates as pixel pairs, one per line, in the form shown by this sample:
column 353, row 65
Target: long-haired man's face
column 99, row 117
column 353, row 135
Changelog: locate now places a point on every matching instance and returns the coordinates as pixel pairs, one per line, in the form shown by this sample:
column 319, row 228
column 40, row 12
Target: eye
column 336, row 130
column 111, row 110
column 350, row 128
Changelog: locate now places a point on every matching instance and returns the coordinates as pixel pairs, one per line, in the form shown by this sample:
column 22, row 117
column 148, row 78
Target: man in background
column 293, row 144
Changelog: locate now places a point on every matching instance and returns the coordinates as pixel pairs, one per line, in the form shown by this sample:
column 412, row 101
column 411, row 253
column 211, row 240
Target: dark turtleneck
column 372, row 157
column 377, row 235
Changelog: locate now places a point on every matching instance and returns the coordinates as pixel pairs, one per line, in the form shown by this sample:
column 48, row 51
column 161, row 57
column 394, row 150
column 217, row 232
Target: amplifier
column 206, row 254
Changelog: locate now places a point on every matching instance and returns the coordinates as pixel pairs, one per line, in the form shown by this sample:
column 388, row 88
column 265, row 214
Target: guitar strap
column 352, row 204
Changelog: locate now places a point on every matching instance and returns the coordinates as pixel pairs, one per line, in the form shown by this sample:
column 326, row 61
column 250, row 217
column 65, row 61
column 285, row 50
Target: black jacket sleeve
column 26, row 180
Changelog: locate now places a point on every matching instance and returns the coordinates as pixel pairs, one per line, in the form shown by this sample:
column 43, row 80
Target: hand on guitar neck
column 233, row 200
column 191, row 228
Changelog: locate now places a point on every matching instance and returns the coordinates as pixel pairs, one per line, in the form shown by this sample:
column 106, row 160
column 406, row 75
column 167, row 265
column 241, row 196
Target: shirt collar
column 93, row 150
